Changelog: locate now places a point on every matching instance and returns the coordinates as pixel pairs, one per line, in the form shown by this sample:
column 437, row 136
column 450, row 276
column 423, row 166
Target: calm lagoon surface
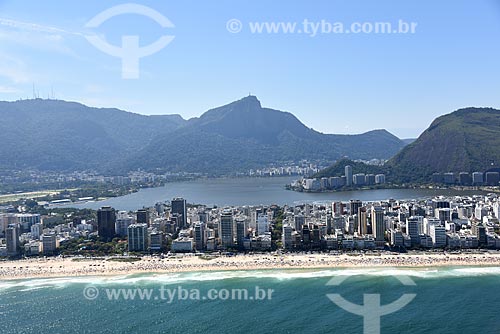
column 252, row 191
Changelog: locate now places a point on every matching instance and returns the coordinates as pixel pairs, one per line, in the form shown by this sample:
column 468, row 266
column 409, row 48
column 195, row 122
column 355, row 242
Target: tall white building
column 26, row 220
column 430, row 221
column 496, row 209
column 36, row 231
column 444, row 214
column 122, row 224
column 438, row 235
column 348, row 175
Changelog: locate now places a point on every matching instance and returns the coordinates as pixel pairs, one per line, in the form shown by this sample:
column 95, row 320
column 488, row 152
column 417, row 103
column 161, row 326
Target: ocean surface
column 252, row 191
column 447, row 300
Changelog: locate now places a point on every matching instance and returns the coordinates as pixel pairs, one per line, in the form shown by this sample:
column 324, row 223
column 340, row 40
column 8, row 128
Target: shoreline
column 82, row 267
column 389, row 186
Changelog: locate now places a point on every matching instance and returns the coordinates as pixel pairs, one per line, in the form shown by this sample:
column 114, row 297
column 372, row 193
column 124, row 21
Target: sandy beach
column 64, row 267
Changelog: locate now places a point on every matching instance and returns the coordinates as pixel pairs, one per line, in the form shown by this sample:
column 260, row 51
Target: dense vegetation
column 466, row 140
column 59, row 135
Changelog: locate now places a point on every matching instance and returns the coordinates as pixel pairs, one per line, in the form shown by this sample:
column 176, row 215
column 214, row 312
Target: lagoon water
column 448, row 300
column 251, row 191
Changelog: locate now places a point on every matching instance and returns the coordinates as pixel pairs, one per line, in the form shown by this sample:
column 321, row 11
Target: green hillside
column 466, row 140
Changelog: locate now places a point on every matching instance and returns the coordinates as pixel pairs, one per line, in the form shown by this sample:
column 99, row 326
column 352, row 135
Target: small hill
column 466, row 140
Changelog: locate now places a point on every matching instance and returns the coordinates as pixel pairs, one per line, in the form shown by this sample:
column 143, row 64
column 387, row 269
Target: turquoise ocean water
column 448, row 300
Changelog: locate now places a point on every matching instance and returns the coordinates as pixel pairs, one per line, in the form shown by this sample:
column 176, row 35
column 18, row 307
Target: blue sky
column 334, row 83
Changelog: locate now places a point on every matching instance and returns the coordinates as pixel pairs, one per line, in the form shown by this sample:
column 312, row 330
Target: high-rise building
column 412, row 229
column 12, row 236
column 378, row 225
column 359, row 179
column 122, row 223
column 396, row 238
column 492, row 178
column 430, row 221
column 299, row 220
column 226, row 229
column 179, row 207
column 287, row 237
column 36, row 231
column 337, row 209
column 354, row 206
column 142, row 216
column 262, row 224
column 6, row 219
column 380, row 178
column 49, row 243
column 439, row 204
column 496, row 209
column 444, row 214
column 438, row 235
column 369, row 179
column 306, row 236
column 477, row 178
column 241, row 231
column 362, row 221
column 106, row 219
column 26, row 220
column 449, row 178
column 200, row 236
column 156, row 241
column 464, row 178
column 348, row 175
column 480, row 232
column 137, row 238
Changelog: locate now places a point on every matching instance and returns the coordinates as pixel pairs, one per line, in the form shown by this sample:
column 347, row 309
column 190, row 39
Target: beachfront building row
column 421, row 224
column 336, row 182
column 452, row 223
column 489, row 178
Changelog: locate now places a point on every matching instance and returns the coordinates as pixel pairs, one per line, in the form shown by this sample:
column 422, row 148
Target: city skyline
column 314, row 77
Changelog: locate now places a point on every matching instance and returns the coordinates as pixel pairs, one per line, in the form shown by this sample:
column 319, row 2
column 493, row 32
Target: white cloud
column 9, row 90
column 34, row 27
column 37, row 36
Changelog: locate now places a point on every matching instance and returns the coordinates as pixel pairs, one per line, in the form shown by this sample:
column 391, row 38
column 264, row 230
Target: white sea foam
column 279, row 275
